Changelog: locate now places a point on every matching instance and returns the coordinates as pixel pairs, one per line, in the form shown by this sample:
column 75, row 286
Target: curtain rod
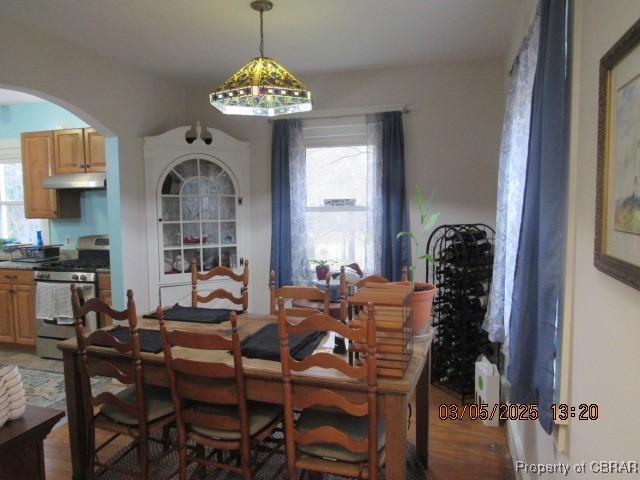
column 346, row 112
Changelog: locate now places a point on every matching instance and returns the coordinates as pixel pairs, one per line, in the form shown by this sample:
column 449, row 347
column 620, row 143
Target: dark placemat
column 150, row 340
column 179, row 313
column 265, row 344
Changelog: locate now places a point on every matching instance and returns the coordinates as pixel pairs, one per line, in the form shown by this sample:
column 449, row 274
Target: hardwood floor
column 457, row 450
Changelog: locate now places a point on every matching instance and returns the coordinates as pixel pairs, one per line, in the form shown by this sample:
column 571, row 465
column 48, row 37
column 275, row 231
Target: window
column 337, row 210
column 13, row 225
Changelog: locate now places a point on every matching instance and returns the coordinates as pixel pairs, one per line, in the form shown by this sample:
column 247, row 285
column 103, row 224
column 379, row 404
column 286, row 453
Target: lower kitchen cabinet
column 17, row 311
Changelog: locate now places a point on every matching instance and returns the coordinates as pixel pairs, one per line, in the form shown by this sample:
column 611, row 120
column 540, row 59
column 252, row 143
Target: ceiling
column 207, row 40
column 11, row 97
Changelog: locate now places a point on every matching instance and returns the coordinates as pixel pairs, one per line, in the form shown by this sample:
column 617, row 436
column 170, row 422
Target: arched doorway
column 113, row 182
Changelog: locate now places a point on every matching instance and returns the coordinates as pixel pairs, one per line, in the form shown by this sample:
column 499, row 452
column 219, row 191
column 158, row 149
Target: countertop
column 30, row 266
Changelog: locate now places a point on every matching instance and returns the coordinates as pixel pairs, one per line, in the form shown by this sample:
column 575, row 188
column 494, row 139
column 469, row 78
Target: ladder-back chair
column 135, row 411
column 333, row 434
column 293, row 293
column 210, row 401
column 220, row 293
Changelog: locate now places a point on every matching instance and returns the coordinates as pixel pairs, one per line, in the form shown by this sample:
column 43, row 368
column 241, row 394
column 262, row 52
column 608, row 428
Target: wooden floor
column 457, row 449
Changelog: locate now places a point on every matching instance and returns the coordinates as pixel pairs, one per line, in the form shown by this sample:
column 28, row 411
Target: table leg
column 422, row 413
column 75, row 414
column 395, row 426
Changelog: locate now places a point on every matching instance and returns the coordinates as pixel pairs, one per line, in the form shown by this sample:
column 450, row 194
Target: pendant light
column 262, row 87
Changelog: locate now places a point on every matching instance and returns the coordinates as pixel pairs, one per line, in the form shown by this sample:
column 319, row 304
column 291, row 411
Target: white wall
column 452, row 140
column 605, row 357
column 117, row 99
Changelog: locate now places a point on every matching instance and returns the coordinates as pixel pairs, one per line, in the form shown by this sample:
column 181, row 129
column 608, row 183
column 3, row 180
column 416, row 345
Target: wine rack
column 461, row 271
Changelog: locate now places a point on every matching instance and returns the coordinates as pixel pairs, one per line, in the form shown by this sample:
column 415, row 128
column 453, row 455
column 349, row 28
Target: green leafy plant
column 320, row 263
column 419, row 237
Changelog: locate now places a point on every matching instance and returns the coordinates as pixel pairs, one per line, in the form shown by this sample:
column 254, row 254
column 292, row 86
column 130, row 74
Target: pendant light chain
column 261, row 34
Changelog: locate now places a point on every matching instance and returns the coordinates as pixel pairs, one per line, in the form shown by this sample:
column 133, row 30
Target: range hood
column 82, row 181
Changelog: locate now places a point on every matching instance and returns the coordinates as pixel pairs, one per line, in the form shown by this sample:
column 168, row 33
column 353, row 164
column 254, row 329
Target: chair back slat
column 375, row 278
column 203, row 369
column 329, row 398
column 328, row 360
column 189, row 388
column 211, row 420
column 109, row 369
column 325, row 398
column 211, row 383
column 327, row 434
column 104, row 339
column 320, row 322
column 293, row 293
column 220, row 293
column 108, row 398
column 208, row 341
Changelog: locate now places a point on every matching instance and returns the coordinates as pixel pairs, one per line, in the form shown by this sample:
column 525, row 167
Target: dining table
column 264, row 383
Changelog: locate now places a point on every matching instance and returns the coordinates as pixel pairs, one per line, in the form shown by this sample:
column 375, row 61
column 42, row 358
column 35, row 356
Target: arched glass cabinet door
column 198, row 217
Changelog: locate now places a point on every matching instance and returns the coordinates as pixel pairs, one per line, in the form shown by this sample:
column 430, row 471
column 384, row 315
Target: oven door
column 51, row 332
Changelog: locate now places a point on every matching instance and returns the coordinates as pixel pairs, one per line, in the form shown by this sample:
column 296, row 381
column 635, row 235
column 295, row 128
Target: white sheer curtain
column 300, row 272
column 511, row 180
column 374, row 195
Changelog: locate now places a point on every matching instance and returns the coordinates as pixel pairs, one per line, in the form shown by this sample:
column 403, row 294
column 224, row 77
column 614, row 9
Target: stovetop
column 78, row 265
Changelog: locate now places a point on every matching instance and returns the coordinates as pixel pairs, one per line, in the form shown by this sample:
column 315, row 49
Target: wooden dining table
column 264, row 383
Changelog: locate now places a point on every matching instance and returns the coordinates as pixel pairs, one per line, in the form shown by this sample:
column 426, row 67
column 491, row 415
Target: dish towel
column 62, row 309
column 44, row 300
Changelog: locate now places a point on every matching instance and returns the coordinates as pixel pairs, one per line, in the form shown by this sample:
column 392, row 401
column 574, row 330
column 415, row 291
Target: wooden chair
column 136, row 411
column 292, row 293
column 375, row 278
column 220, row 293
column 333, row 434
column 210, row 401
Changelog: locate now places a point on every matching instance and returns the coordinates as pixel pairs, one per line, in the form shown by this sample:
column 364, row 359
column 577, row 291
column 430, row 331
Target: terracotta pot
column 422, row 300
column 322, row 271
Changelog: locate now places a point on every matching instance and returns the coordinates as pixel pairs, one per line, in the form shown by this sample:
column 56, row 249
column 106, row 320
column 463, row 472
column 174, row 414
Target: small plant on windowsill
column 322, row 268
column 422, row 292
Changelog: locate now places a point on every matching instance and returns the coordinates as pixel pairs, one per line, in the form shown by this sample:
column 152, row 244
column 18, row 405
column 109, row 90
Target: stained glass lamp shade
column 262, row 87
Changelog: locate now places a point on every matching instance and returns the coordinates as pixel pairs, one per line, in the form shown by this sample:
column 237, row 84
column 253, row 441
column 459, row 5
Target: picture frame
column 617, row 227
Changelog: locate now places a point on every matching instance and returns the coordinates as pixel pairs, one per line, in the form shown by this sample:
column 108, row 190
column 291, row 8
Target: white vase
column 14, row 391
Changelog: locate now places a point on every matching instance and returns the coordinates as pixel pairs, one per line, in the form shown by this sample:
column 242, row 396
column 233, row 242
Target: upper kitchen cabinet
column 69, row 150
column 38, row 163
column 79, row 150
column 94, row 151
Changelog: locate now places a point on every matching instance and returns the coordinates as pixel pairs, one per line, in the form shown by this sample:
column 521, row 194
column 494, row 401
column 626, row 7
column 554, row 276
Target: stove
column 93, row 254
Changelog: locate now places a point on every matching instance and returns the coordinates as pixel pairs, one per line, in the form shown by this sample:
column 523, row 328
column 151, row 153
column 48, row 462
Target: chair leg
column 144, row 458
column 202, row 468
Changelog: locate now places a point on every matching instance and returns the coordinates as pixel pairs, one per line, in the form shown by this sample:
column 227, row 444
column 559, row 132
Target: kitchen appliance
column 93, row 254
column 71, row 181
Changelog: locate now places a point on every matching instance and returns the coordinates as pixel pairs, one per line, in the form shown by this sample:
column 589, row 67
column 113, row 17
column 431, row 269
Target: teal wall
column 31, row 117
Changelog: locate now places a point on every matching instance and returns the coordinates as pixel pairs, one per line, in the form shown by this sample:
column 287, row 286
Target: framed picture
column 617, row 246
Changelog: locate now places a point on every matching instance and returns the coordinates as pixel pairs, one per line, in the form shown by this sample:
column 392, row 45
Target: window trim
column 11, row 152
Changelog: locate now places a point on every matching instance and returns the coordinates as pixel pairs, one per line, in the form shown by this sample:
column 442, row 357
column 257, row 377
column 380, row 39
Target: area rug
column 163, row 467
column 46, row 389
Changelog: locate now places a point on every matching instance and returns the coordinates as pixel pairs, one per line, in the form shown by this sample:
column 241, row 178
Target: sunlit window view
column 13, row 225
column 337, row 203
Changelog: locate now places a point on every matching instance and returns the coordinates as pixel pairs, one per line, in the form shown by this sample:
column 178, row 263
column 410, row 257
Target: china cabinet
column 196, row 208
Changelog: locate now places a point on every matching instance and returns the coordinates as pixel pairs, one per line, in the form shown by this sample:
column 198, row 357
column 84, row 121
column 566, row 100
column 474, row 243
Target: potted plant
column 322, row 268
column 422, row 292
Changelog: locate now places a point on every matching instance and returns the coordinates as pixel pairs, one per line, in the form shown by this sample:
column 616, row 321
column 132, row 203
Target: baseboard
column 517, row 451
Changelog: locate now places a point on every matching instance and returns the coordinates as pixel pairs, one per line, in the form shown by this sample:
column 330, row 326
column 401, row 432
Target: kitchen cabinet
column 104, row 294
column 38, row 163
column 17, row 309
column 94, row 151
column 69, row 150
